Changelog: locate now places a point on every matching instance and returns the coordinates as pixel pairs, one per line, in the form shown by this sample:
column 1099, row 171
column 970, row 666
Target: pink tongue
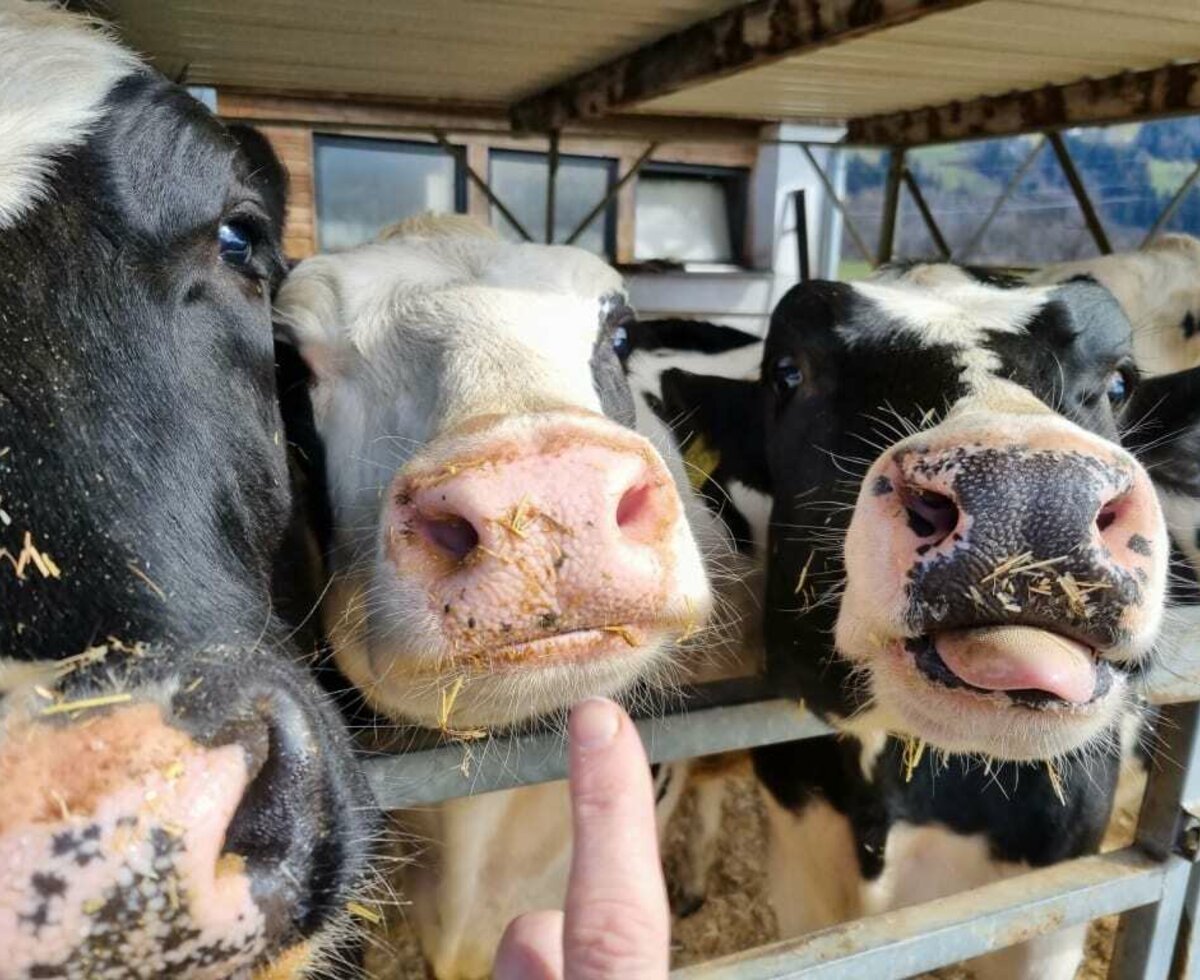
column 1020, row 658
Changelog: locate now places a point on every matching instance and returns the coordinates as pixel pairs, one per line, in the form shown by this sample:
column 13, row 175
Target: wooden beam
column 748, row 36
column 1126, row 97
column 268, row 107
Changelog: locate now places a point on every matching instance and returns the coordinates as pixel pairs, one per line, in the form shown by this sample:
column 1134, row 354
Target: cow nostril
column 455, row 536
column 632, row 506
column 1110, row 513
column 638, row 512
column 932, row 516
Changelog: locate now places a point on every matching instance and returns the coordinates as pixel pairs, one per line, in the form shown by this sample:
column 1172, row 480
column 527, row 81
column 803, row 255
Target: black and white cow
column 506, row 537
column 176, row 798
column 951, row 506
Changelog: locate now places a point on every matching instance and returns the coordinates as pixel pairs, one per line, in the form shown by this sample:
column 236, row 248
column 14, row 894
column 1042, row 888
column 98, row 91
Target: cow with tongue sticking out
column 965, row 572
column 1004, row 567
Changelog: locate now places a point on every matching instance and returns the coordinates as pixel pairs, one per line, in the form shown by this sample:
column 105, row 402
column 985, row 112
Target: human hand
column 616, row 923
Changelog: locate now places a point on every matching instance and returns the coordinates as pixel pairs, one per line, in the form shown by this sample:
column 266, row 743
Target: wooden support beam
column 366, row 114
column 748, row 36
column 1095, row 226
column 1126, row 97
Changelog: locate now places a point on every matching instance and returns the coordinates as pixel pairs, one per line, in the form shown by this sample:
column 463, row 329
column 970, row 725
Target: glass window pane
column 520, row 179
column 682, row 218
column 364, row 185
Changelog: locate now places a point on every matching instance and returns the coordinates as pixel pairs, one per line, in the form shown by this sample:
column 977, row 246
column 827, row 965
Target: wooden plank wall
column 293, row 146
column 293, row 142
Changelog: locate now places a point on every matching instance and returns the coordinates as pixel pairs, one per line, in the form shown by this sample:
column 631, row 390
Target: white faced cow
column 504, row 541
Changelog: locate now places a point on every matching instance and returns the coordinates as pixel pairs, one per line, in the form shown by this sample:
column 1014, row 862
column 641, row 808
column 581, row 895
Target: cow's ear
column 263, row 172
column 718, row 422
column 1161, row 422
column 309, row 318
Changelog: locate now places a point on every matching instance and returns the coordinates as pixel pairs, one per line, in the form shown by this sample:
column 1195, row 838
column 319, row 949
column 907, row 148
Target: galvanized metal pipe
column 952, row 929
column 471, row 768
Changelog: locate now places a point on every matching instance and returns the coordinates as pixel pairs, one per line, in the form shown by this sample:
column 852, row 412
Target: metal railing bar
column 470, row 768
column 1145, row 941
column 948, row 930
column 931, row 225
column 460, row 154
column 722, row 717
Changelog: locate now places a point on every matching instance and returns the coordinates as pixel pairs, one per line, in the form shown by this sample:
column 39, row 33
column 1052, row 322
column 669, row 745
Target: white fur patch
column 55, row 71
column 946, row 307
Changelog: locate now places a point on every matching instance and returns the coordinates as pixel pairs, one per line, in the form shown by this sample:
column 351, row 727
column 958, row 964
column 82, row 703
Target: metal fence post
column 1147, row 936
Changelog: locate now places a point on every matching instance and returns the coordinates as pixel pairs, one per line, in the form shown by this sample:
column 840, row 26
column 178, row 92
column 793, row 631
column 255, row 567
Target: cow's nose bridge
column 1044, row 501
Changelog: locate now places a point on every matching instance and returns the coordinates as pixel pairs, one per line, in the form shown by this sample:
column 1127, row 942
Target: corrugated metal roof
column 484, row 52
column 985, row 49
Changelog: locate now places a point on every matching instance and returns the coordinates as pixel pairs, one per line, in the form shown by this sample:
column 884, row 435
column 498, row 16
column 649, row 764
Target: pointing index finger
column 617, row 921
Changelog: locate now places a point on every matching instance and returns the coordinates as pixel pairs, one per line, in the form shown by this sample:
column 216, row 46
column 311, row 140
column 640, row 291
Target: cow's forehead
column 55, row 71
column 458, row 288
column 943, row 310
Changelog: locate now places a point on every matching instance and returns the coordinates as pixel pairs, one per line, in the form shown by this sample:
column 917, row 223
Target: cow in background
column 505, row 537
column 1158, row 287
column 178, row 798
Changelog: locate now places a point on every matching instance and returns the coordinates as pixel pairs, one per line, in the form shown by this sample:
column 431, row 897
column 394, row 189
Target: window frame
column 736, row 181
column 610, row 213
column 422, row 147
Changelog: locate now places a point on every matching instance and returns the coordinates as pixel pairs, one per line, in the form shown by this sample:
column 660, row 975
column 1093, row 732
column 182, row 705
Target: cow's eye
column 234, row 244
column 787, row 374
column 620, row 341
column 1118, row 387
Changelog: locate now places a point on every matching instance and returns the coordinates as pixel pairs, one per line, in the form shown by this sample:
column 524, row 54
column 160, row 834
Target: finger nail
column 594, row 723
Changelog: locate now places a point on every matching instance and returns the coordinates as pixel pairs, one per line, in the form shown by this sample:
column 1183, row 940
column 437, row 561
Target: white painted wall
column 744, row 299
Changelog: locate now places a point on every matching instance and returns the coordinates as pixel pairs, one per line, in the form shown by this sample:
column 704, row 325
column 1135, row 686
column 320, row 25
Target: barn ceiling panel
column 987, row 48
column 482, row 52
